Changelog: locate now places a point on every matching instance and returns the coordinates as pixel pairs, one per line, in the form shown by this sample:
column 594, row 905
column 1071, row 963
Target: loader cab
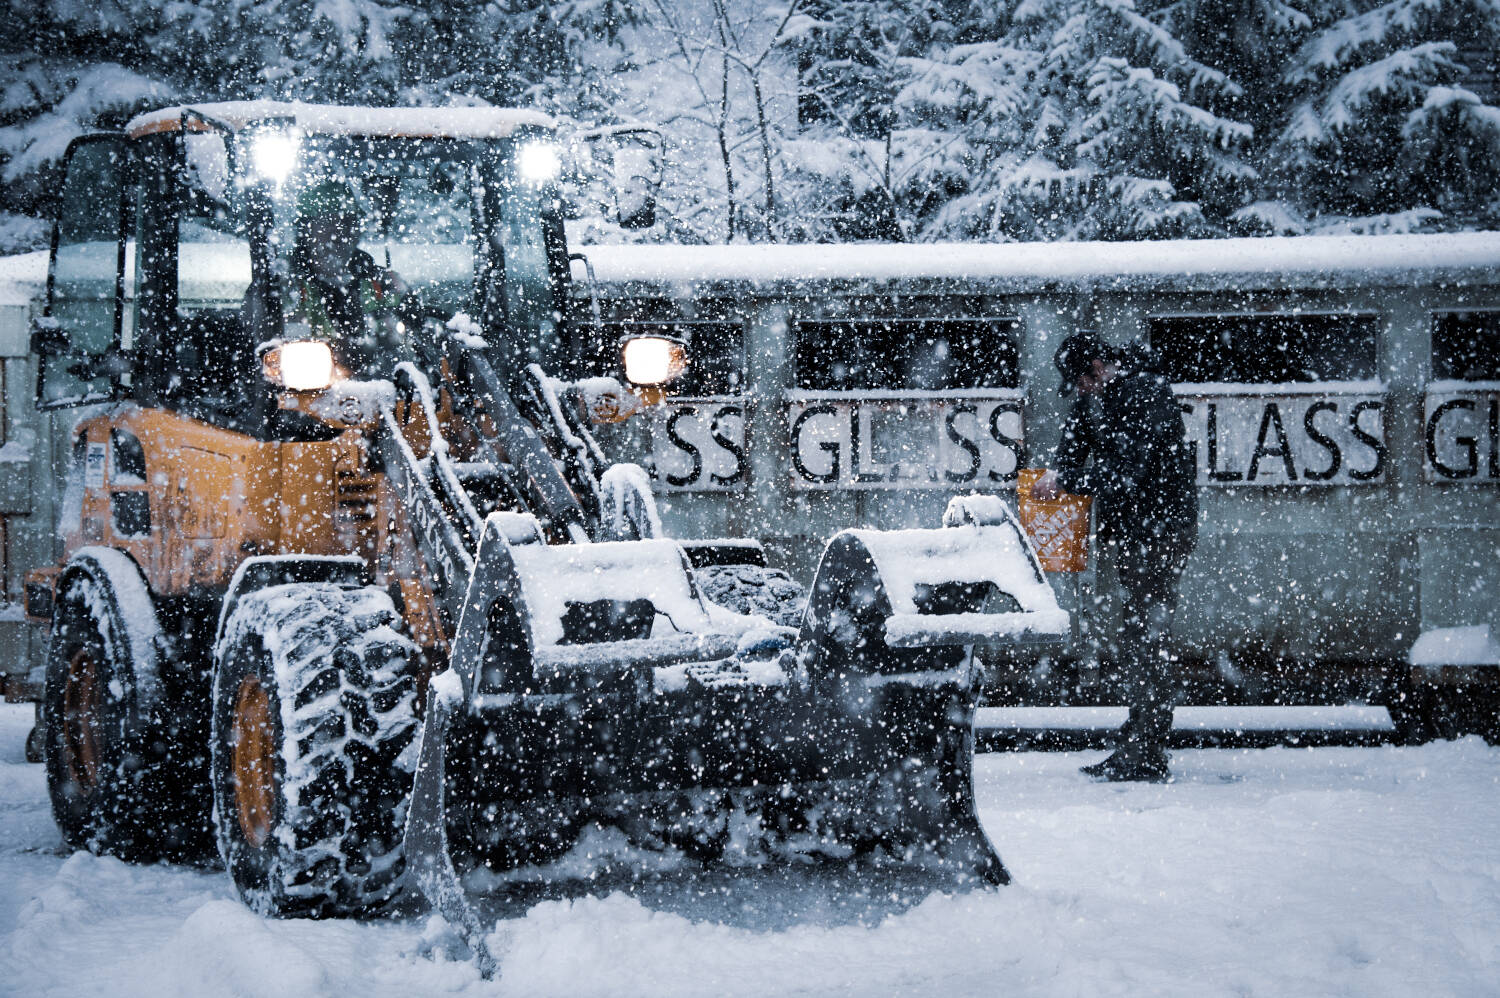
column 179, row 257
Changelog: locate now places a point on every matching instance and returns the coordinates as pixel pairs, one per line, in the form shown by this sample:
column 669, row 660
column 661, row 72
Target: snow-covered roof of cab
column 333, row 119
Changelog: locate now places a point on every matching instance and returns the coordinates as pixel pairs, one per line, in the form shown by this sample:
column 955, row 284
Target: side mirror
column 47, row 337
column 637, row 177
column 634, row 154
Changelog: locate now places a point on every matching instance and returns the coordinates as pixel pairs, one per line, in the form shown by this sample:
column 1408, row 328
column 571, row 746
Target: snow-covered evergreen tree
column 847, row 166
column 1083, row 119
column 1383, row 131
column 853, row 119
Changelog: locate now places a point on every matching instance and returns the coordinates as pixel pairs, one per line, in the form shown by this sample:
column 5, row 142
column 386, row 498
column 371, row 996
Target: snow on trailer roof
column 1289, row 261
column 23, row 278
column 1187, row 264
column 333, row 119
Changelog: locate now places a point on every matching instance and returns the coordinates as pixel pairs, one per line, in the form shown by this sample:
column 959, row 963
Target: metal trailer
column 28, row 464
column 1346, row 431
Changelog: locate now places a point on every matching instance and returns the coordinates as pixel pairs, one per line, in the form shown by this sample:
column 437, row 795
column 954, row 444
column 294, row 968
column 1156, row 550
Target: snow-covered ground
column 1276, row 872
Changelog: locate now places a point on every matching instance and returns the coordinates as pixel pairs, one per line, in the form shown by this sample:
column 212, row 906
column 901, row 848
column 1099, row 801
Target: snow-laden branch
column 1336, row 45
column 1407, row 72
column 1166, row 51
column 1443, row 106
column 88, row 92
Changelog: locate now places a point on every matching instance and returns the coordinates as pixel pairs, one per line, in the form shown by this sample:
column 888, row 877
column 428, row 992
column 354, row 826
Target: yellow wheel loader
column 350, row 593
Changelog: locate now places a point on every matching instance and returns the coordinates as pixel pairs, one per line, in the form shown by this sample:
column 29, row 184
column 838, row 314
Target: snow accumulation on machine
column 348, row 585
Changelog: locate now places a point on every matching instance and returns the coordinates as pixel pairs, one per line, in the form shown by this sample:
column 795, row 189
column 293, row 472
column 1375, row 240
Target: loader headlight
column 299, row 365
column 654, row 360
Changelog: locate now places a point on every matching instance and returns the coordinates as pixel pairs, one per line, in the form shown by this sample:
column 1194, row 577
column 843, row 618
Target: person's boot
column 1101, row 769
column 1141, row 755
column 1130, row 764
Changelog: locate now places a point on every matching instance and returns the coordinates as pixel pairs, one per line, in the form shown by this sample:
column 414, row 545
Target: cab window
column 84, row 314
column 211, row 353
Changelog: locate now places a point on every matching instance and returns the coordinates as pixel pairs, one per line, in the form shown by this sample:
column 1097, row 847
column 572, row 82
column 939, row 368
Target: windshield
column 370, row 237
column 372, row 240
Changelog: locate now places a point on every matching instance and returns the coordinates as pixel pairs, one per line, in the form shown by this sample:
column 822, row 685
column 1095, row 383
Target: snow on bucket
column 1058, row 528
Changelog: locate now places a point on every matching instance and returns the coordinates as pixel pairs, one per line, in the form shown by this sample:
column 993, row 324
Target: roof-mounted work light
column 539, row 162
column 273, row 154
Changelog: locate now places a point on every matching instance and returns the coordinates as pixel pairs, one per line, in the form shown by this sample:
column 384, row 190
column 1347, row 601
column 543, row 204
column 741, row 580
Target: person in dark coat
column 1123, row 443
column 341, row 294
column 337, row 293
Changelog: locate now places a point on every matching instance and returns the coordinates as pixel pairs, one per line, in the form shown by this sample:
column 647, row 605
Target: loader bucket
column 592, row 684
column 891, row 625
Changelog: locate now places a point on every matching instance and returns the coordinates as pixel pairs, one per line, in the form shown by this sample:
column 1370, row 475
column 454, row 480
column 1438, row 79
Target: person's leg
column 1148, row 624
column 1146, row 621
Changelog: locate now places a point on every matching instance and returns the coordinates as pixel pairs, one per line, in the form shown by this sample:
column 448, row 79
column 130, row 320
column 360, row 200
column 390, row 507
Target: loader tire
column 1411, row 715
column 314, row 709
column 36, row 744
column 119, row 781
column 768, row 592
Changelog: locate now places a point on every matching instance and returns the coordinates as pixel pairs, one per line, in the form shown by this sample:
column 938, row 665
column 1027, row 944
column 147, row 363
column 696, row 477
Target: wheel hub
column 254, row 762
column 81, row 704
